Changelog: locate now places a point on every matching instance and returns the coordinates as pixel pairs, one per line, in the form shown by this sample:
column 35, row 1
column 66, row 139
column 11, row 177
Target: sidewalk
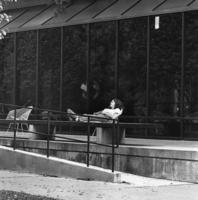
column 133, row 187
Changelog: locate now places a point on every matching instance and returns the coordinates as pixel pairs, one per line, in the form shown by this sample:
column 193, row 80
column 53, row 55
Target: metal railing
column 58, row 119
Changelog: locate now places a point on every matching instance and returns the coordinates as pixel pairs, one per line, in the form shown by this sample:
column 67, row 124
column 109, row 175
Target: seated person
column 115, row 109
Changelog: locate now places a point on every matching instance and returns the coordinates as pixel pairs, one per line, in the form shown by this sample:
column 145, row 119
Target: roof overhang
column 31, row 15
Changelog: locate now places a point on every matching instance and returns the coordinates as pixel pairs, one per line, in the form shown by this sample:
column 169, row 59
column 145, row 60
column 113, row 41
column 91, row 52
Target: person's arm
column 112, row 113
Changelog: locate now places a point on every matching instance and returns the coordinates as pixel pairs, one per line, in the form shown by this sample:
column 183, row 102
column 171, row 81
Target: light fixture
column 157, row 22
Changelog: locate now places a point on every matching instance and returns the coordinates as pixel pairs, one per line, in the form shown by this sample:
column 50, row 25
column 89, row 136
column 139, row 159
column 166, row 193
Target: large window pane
column 74, row 68
column 7, row 69
column 102, row 65
column 132, row 65
column 49, row 68
column 191, row 73
column 26, row 65
column 165, row 70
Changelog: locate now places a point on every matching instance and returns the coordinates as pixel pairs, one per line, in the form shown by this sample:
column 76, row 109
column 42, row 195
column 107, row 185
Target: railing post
column 48, row 133
column 88, row 141
column 117, row 133
column 113, row 147
column 14, row 143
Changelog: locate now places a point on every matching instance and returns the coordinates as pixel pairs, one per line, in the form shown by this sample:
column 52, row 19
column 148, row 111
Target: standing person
column 115, row 109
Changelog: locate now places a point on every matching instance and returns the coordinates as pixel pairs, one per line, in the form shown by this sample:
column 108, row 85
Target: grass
column 11, row 195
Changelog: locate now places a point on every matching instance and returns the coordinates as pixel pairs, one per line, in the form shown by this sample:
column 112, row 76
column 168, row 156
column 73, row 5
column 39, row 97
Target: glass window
column 102, row 63
column 74, row 68
column 7, row 69
column 49, row 68
column 165, row 65
column 132, row 65
column 191, row 74
column 165, row 71
column 26, row 65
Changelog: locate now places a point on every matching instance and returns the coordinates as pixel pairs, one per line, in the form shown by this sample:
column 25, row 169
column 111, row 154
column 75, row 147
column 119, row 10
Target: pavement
column 132, row 187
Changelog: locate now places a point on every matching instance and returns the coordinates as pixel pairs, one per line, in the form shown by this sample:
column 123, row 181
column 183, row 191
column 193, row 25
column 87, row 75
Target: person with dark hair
column 115, row 109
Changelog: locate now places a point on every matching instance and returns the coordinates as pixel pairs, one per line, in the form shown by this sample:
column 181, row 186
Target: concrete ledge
column 18, row 160
column 170, row 160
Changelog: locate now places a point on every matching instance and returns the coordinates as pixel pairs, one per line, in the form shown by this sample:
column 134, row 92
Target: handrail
column 114, row 124
column 48, row 122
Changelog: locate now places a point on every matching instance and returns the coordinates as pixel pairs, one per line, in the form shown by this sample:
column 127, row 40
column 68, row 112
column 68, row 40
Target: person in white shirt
column 115, row 109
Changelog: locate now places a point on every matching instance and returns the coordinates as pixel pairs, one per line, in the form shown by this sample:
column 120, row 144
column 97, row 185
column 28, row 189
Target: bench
column 104, row 134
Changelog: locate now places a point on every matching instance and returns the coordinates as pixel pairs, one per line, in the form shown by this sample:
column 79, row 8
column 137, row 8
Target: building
column 141, row 51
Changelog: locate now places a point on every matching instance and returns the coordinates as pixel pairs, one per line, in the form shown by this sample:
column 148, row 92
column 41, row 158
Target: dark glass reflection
column 165, row 71
column 74, row 68
column 191, row 74
column 165, row 65
column 7, row 69
column 132, row 65
column 49, row 68
column 26, row 65
column 101, row 78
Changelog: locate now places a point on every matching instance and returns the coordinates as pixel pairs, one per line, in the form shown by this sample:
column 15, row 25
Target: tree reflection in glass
column 74, row 68
column 26, row 66
column 49, row 68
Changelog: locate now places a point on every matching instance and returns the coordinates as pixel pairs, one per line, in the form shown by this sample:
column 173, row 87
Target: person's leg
column 99, row 117
column 74, row 117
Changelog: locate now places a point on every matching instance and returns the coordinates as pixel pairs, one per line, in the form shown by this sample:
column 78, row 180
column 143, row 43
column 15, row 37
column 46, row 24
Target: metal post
column 182, row 78
column 113, row 147
column 37, row 68
column 147, row 71
column 48, row 133
column 117, row 133
column 61, row 71
column 14, row 143
column 88, row 141
column 116, row 82
column 15, row 69
column 88, row 67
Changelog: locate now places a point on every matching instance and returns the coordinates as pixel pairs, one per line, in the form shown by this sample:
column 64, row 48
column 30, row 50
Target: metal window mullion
column 88, row 65
column 182, row 76
column 15, row 69
column 61, row 71
column 116, row 81
column 147, row 66
column 37, row 67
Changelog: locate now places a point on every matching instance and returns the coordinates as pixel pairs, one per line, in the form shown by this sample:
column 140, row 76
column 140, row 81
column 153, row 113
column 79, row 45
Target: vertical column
column 182, row 77
column 37, row 67
column 61, row 72
column 147, row 71
column 15, row 70
column 88, row 66
column 148, row 66
column 116, row 81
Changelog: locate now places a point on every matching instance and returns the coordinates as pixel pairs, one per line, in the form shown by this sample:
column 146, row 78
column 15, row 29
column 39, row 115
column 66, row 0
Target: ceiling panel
column 89, row 11
column 25, row 17
column 93, row 10
column 117, row 9
column 71, row 11
column 39, row 19
column 144, row 7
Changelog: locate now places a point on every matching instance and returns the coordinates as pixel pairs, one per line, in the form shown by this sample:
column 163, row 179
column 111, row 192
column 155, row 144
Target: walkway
column 133, row 187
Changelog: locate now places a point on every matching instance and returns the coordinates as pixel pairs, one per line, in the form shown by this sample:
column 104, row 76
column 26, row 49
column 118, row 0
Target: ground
column 10, row 195
column 134, row 188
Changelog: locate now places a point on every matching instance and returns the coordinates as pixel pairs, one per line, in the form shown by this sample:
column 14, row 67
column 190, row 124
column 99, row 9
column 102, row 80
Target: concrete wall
column 33, row 163
column 159, row 162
